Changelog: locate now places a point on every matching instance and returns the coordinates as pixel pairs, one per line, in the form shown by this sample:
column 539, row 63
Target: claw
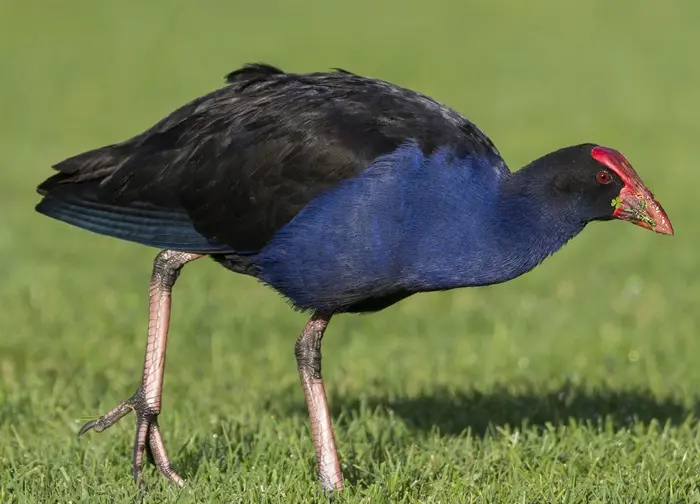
column 111, row 417
column 148, row 437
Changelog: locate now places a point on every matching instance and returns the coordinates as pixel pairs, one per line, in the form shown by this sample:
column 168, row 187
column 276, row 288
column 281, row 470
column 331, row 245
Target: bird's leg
column 146, row 401
column 308, row 354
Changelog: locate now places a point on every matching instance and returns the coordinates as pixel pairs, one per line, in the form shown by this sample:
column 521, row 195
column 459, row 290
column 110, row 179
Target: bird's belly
column 333, row 276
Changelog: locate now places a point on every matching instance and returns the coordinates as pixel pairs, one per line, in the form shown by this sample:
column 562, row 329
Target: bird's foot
column 148, row 437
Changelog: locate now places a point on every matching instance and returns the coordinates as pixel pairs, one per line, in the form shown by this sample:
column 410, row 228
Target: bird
column 343, row 193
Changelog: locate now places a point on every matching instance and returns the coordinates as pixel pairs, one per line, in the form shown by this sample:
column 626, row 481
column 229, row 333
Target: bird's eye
column 603, row 177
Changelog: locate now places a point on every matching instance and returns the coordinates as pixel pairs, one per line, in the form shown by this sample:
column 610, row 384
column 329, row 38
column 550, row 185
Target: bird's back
column 225, row 172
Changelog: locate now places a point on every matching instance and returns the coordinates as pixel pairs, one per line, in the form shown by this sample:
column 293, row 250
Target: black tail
column 76, row 196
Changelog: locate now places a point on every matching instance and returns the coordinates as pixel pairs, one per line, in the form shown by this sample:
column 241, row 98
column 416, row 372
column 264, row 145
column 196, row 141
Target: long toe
column 110, row 418
column 159, row 455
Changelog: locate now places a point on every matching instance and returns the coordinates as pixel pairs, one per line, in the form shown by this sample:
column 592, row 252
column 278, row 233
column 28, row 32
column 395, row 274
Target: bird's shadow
column 454, row 413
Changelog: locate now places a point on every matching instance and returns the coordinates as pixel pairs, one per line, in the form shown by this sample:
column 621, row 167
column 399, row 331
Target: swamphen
column 345, row 194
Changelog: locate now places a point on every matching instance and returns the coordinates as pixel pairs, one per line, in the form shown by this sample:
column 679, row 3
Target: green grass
column 578, row 382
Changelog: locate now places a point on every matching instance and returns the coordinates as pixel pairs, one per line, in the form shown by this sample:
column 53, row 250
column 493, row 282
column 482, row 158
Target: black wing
column 228, row 170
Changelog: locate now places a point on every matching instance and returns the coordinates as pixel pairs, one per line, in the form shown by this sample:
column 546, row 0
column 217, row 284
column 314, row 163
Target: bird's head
column 635, row 202
column 598, row 183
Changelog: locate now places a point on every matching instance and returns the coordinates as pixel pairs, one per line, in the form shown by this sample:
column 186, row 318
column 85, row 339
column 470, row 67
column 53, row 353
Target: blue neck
column 491, row 242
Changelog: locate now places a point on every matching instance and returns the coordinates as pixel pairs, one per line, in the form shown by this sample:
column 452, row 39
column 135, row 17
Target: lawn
column 578, row 382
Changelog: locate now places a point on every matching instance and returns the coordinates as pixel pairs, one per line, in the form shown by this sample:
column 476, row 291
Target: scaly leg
column 146, row 401
column 308, row 354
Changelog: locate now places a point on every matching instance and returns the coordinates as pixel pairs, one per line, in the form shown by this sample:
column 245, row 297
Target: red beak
column 636, row 203
column 638, row 206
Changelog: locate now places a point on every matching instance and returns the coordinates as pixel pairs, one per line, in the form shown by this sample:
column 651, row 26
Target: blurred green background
column 575, row 383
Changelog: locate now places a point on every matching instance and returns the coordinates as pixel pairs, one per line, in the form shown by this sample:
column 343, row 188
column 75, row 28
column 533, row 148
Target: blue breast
column 409, row 223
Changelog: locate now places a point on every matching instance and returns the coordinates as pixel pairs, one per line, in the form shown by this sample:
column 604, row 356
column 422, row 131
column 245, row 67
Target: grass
column 575, row 383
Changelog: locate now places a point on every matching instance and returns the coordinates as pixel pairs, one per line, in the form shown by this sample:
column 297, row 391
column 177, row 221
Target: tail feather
column 136, row 222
